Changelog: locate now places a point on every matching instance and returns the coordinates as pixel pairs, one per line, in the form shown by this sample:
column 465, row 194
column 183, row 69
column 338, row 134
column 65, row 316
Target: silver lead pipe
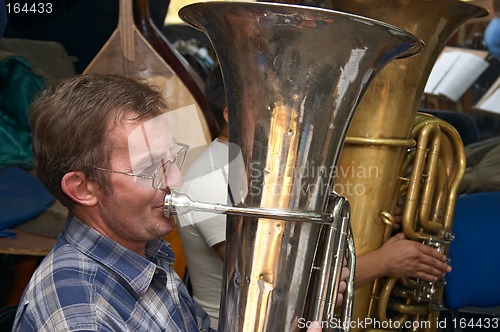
column 178, row 204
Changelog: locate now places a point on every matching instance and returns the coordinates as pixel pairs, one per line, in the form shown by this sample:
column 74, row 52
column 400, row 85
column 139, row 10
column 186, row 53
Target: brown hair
column 70, row 122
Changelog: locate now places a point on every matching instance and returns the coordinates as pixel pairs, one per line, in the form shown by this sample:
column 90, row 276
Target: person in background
column 492, row 31
column 488, row 40
column 203, row 236
column 483, row 167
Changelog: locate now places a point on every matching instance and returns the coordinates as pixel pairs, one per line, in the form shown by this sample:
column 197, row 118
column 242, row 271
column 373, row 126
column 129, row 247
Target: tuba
column 293, row 76
column 391, row 152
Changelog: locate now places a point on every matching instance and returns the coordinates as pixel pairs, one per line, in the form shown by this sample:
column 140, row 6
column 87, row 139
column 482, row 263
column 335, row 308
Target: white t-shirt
column 206, row 181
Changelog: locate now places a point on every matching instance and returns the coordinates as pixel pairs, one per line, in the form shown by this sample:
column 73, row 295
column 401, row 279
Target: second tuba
column 380, row 154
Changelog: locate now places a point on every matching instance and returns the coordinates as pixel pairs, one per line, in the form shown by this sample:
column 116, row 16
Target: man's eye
column 148, row 170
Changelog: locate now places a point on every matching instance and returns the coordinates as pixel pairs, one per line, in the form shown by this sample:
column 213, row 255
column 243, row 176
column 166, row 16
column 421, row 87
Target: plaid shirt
column 89, row 283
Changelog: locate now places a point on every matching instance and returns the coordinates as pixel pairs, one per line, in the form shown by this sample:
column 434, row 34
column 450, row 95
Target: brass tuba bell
column 293, row 76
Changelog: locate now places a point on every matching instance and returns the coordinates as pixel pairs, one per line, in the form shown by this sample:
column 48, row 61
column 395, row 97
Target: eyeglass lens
column 168, row 169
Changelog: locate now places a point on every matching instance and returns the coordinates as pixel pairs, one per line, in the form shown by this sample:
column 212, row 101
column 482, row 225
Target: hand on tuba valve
column 403, row 258
column 316, row 325
column 399, row 257
column 343, row 284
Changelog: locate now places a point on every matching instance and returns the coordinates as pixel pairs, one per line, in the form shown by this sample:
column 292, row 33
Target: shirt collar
column 134, row 269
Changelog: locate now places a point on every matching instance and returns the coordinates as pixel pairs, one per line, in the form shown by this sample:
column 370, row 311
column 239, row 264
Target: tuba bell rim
column 416, row 48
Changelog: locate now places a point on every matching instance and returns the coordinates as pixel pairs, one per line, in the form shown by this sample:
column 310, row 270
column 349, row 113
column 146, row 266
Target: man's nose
column 173, row 177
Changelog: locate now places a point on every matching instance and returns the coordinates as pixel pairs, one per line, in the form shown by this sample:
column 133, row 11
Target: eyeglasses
column 159, row 170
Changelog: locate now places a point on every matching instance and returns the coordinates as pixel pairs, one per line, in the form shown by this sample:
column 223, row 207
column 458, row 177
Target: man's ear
column 225, row 114
column 79, row 188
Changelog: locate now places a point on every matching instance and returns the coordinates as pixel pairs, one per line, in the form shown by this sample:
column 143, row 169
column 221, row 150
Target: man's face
column 133, row 212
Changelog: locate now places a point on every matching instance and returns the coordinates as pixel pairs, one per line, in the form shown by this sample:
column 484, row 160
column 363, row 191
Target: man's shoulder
column 64, row 265
column 61, row 284
column 66, row 288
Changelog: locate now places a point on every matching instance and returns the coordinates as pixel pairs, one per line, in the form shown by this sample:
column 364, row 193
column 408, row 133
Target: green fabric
column 18, row 86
